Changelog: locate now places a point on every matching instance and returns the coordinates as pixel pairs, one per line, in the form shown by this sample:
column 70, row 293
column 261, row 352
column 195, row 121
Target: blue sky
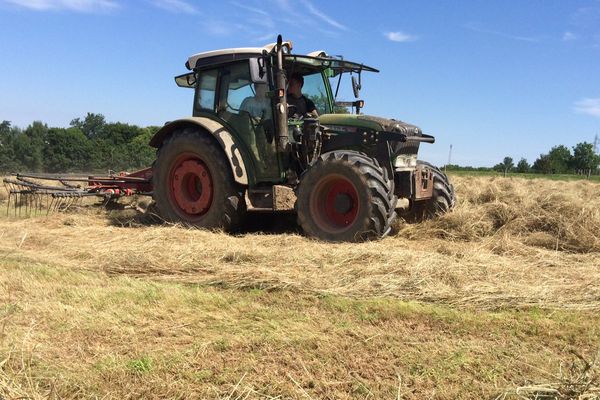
column 491, row 78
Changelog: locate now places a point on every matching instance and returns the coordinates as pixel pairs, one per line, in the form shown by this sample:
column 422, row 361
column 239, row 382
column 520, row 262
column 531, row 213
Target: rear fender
column 218, row 131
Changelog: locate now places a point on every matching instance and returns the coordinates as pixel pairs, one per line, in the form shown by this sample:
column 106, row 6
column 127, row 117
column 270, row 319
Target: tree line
column 87, row 145
column 581, row 159
column 92, row 144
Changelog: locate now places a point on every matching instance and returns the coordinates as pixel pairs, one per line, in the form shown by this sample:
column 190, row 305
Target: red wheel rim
column 334, row 203
column 191, row 186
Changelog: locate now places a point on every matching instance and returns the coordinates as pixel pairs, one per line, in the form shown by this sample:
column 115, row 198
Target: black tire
column 194, row 185
column 346, row 196
column 442, row 201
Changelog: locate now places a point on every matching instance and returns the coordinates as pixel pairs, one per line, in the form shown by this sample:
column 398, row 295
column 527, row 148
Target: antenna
column 596, row 141
column 449, row 158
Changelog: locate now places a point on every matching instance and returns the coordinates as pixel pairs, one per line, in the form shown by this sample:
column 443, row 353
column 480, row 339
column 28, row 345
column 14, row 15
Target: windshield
column 335, row 65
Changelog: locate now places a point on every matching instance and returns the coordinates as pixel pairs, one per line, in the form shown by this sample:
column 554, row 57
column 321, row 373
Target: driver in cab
column 299, row 105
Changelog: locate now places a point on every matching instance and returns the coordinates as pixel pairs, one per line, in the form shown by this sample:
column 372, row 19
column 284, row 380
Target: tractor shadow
column 254, row 222
column 269, row 223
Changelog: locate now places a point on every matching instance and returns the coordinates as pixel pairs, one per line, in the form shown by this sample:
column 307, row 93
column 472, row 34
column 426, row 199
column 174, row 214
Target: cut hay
column 555, row 215
column 509, row 243
column 577, row 379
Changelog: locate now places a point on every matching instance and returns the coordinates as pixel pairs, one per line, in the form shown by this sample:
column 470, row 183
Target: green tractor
column 246, row 149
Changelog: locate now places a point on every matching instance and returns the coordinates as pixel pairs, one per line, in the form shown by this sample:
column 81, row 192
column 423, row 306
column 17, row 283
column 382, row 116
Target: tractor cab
column 237, row 88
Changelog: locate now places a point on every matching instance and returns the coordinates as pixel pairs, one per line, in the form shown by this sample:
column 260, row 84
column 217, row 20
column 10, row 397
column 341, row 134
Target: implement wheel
column 346, row 196
column 193, row 183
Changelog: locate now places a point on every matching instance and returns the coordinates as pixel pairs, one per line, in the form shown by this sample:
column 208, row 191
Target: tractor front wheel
column 346, row 196
column 193, row 183
column 442, row 201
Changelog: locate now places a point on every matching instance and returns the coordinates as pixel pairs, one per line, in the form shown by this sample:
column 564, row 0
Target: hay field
column 503, row 293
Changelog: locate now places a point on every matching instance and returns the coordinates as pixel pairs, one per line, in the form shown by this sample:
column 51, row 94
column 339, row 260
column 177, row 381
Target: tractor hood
column 369, row 122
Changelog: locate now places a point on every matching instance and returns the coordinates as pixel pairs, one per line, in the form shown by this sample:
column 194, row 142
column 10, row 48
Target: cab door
column 247, row 110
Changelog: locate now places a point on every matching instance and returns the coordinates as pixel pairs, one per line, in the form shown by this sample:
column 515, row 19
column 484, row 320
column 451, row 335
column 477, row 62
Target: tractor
column 246, row 149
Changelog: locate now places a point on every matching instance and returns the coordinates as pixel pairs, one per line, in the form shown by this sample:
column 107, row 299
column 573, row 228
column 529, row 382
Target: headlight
column 406, row 161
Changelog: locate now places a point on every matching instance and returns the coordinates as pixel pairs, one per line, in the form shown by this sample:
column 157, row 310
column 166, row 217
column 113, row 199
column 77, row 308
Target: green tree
column 140, row 154
column 91, row 126
column 523, row 166
column 560, row 159
column 505, row 166
column 119, row 133
column 6, row 147
column 585, row 160
column 543, row 164
column 28, row 146
column 66, row 150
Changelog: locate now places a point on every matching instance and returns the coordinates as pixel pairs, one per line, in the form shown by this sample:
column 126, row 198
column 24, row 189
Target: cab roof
column 227, row 55
column 315, row 59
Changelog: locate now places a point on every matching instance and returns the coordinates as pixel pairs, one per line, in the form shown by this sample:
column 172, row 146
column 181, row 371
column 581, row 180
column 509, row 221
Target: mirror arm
column 337, row 88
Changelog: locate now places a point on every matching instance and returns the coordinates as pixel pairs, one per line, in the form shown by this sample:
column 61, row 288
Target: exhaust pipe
column 282, row 108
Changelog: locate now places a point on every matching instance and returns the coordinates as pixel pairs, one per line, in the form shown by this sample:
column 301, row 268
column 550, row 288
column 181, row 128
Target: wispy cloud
column 86, row 6
column 270, row 37
column 586, row 17
column 176, row 6
column 584, row 23
column 475, row 27
column 249, row 8
column 589, row 106
column 569, row 36
column 400, row 37
column 324, row 17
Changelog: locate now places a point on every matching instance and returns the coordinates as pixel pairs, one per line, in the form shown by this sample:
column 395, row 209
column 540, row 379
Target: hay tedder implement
column 37, row 193
column 267, row 135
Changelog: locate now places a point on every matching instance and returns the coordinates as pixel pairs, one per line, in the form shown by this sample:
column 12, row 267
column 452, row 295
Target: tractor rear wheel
column 442, row 201
column 194, row 185
column 346, row 196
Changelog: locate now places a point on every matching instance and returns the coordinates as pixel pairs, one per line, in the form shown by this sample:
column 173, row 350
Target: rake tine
column 58, row 204
column 49, row 204
column 68, row 203
column 63, row 204
column 8, row 202
column 32, row 204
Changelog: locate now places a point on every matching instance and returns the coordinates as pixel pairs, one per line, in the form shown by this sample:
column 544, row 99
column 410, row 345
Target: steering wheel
column 290, row 111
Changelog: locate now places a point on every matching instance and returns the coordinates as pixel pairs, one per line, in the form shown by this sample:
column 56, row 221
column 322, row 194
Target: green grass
column 85, row 334
column 555, row 177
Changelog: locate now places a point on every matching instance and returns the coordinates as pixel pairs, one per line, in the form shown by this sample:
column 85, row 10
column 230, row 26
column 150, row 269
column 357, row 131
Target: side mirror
column 186, row 80
column 258, row 71
column 356, row 86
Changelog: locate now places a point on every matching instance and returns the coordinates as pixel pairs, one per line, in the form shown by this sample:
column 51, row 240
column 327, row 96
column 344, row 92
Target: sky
column 490, row 78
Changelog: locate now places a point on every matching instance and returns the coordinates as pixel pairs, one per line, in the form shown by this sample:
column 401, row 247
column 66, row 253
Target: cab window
column 206, row 89
column 314, row 89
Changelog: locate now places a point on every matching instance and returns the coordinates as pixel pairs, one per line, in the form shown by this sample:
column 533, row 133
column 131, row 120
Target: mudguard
column 215, row 129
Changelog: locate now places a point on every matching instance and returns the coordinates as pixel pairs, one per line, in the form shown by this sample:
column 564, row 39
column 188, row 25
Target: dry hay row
column 543, row 213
